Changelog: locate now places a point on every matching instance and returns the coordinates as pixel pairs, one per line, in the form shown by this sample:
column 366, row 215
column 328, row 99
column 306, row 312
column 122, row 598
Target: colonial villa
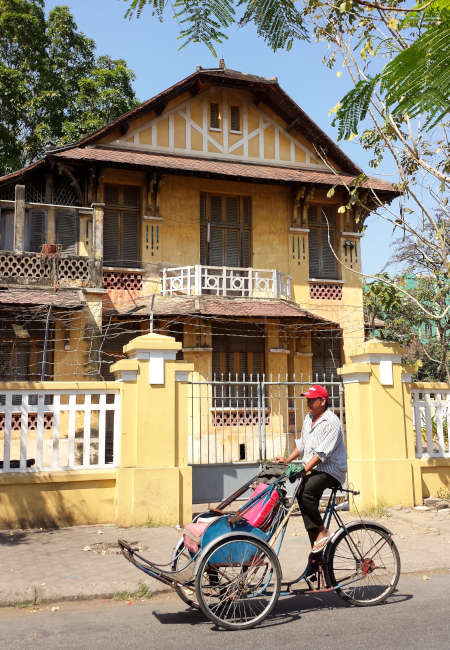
column 202, row 213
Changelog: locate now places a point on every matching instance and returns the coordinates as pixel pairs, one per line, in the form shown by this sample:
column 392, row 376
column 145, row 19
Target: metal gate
column 236, row 422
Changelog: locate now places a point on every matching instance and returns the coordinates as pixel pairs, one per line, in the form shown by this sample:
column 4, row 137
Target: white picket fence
column 58, row 429
column 431, row 417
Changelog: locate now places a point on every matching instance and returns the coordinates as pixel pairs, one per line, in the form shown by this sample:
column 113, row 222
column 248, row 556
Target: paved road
column 417, row 616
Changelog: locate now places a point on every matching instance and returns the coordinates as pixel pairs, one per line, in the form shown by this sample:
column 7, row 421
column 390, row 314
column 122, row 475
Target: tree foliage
column 52, row 86
column 426, row 332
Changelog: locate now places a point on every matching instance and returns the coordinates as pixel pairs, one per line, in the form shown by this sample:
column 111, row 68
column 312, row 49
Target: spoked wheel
column 238, row 582
column 364, row 563
column 181, row 558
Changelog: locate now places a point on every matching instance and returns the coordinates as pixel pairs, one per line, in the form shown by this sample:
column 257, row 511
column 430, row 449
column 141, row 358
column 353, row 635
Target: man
column 322, row 447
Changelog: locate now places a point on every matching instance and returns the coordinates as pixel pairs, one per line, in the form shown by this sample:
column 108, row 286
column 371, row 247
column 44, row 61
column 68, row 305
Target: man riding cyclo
column 321, row 445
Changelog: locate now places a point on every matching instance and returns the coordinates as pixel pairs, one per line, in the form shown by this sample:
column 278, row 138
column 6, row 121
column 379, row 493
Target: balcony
column 225, row 281
column 39, row 270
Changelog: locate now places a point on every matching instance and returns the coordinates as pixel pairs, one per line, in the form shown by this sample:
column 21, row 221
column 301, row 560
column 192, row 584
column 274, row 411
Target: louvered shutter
column 328, row 267
column 6, row 230
column 233, row 247
column 232, row 211
column 216, row 247
column 20, row 369
column 129, row 255
column 216, row 209
column 235, row 118
column 111, row 194
column 5, row 361
column 326, row 358
column 35, row 221
column 67, row 231
column 314, row 271
column 111, row 237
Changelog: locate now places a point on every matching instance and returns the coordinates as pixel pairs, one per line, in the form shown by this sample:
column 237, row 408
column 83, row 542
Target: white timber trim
column 356, row 378
column 375, row 357
column 352, row 234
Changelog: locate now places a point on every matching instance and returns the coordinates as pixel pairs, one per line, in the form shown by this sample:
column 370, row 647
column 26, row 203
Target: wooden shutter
column 235, row 118
column 35, row 222
column 20, row 361
column 328, row 261
column 232, row 253
column 214, row 117
column 232, row 211
column 326, row 357
column 6, row 229
column 129, row 256
column 111, row 237
column 67, row 231
column 216, row 247
column 314, row 252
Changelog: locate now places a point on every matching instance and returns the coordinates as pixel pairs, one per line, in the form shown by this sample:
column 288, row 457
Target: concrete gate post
column 154, row 481
column 378, row 436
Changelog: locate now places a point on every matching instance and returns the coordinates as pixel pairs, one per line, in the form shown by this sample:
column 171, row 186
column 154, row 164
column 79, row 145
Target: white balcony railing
column 225, row 281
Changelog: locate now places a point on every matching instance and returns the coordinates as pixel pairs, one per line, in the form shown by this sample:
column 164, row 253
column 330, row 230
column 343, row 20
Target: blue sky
column 150, row 49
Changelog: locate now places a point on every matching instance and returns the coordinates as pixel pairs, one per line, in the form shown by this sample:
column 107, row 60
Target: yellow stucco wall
column 53, row 499
column 184, row 127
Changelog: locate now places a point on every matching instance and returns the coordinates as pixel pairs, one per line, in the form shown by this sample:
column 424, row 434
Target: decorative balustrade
column 431, row 419
column 225, row 281
column 54, row 429
column 37, row 269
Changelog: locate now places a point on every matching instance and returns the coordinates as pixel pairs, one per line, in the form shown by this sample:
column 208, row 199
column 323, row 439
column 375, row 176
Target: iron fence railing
column 250, row 418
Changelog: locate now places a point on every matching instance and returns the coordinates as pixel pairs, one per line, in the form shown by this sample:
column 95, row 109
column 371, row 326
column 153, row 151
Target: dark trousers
column 311, row 490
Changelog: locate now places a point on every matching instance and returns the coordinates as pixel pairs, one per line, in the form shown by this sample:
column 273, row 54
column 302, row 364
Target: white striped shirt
column 325, row 439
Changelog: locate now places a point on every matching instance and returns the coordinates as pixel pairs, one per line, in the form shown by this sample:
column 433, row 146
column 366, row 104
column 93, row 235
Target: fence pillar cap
column 152, row 342
column 125, row 369
column 375, row 347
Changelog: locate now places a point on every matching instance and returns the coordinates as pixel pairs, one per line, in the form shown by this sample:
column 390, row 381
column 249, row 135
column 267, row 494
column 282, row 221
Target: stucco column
column 378, row 445
column 19, row 218
column 97, row 224
column 154, row 482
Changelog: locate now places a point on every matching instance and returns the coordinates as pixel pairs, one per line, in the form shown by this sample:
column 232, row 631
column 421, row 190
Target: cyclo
column 227, row 565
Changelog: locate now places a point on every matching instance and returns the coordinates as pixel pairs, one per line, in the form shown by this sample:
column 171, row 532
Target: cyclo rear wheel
column 364, row 563
column 238, row 582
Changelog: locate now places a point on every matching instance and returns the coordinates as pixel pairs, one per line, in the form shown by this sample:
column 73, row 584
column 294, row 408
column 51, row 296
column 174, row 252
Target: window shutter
column 131, row 196
column 20, row 369
column 235, row 118
column 328, row 261
column 247, row 212
column 216, row 209
column 6, row 230
column 216, row 247
column 214, row 119
column 313, row 252
column 111, row 194
column 232, row 211
column 326, row 358
column 67, row 231
column 111, row 238
column 246, row 254
column 129, row 239
column 233, row 247
column 34, row 230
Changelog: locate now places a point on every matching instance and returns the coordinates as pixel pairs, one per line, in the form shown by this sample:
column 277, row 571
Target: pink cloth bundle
column 257, row 514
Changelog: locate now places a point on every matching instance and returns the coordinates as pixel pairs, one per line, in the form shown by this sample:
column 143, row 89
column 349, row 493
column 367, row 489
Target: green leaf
column 353, row 108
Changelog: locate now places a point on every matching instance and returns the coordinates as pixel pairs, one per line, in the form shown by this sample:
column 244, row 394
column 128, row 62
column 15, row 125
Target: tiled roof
column 62, row 299
column 190, row 165
column 210, row 306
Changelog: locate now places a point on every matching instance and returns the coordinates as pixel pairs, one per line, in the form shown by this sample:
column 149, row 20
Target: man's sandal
column 320, row 545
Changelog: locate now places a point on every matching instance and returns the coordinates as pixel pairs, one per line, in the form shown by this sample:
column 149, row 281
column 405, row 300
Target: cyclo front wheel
column 363, row 563
column 238, row 582
column 181, row 558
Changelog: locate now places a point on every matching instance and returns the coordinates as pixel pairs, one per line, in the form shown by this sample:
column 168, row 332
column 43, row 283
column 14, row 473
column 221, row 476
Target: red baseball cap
column 316, row 391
